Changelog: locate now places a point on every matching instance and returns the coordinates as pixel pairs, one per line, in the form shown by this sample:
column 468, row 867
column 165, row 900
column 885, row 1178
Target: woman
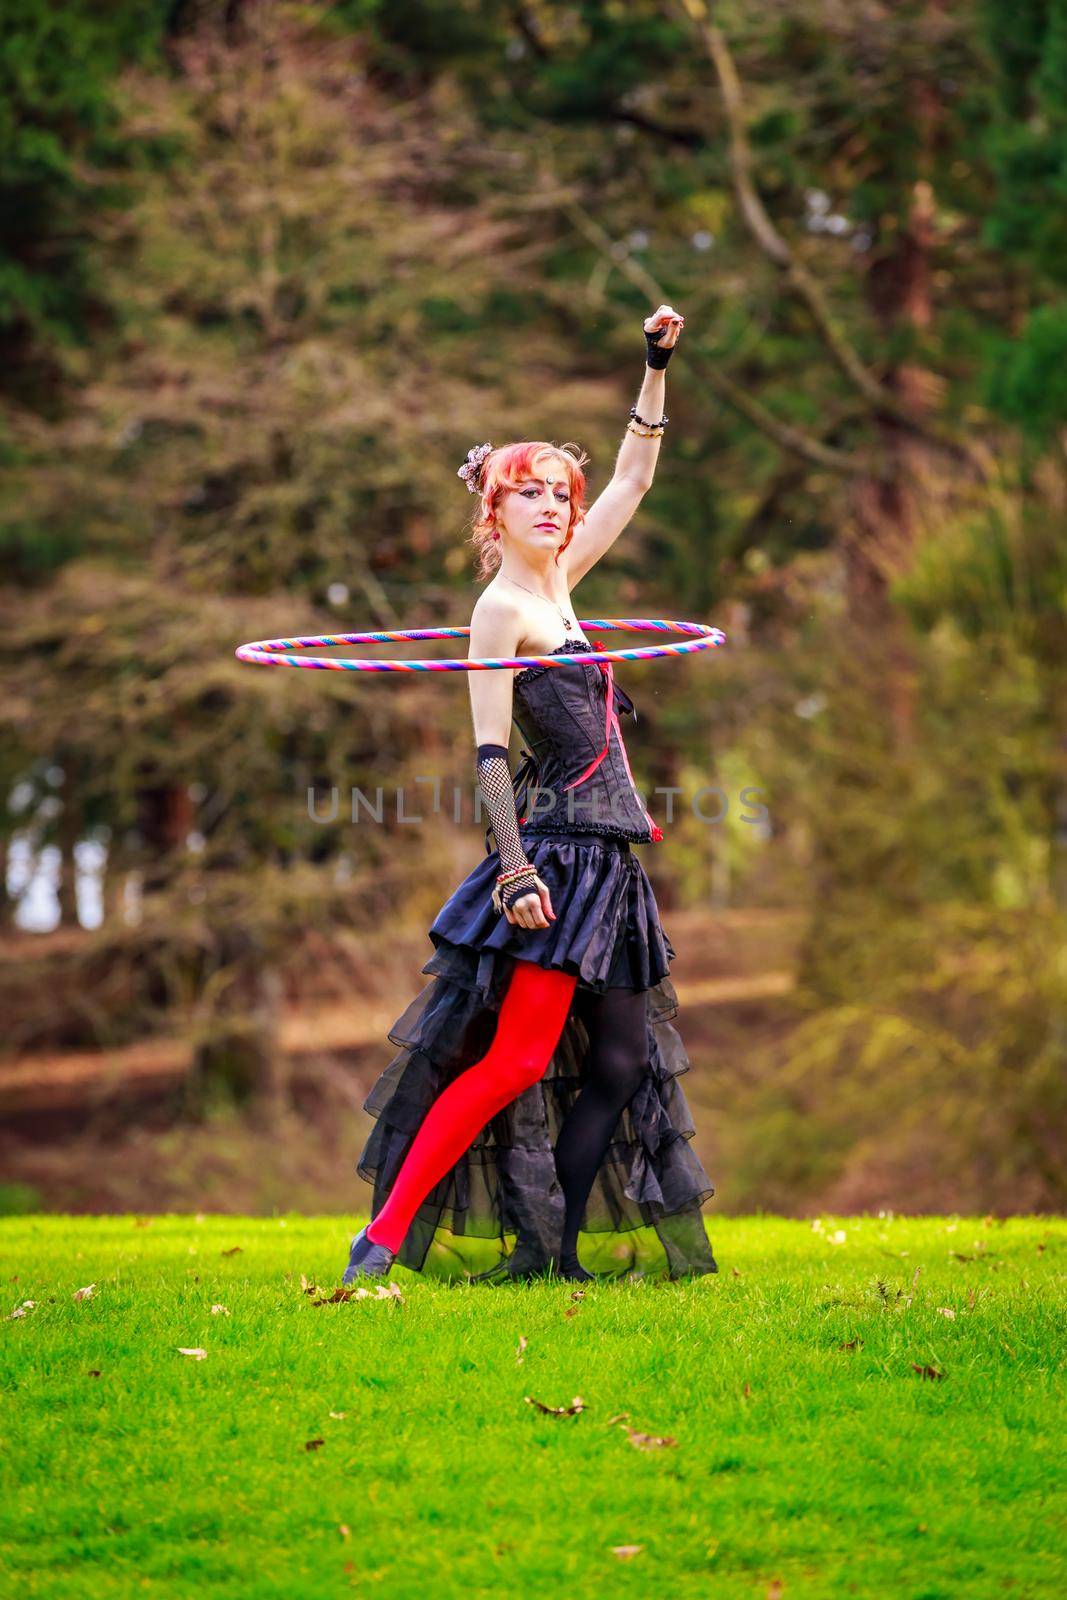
column 535, row 1092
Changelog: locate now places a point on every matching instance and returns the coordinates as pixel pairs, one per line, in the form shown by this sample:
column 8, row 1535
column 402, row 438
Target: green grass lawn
column 385, row 1446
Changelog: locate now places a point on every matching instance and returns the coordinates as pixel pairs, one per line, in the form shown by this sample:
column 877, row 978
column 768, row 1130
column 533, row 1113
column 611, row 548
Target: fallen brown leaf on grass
column 234, row 1250
column 86, row 1293
column 313, row 1444
column 926, row 1371
column 735, row 1272
column 576, row 1405
column 578, row 1294
column 775, row 1589
column 195, row 1350
column 649, row 1441
column 572, row 1311
column 94, row 1372
column 620, row 1416
column 625, row 1551
column 20, row 1311
column 383, row 1291
column 852, row 1344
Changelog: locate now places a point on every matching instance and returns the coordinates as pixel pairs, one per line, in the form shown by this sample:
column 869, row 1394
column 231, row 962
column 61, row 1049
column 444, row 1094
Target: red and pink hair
column 506, row 468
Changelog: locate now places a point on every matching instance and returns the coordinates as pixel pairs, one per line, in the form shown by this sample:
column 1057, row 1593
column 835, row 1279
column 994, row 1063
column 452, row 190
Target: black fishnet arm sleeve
column 498, row 796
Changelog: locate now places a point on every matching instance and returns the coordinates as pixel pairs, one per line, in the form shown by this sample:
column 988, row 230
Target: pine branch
column 799, row 280
column 783, row 434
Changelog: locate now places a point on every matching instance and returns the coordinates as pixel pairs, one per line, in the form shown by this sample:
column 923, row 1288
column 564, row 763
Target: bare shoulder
column 496, row 625
column 495, row 628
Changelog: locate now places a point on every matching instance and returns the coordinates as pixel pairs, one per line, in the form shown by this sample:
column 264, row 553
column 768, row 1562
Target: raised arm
column 635, row 464
column 522, row 896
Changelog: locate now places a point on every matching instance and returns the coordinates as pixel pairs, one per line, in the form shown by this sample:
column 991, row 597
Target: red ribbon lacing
column 610, row 722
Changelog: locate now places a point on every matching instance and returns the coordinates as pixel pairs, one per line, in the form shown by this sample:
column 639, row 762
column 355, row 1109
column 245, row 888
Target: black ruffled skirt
column 499, row 1212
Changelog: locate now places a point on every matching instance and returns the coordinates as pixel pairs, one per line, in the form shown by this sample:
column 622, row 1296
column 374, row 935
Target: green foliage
column 30, row 551
column 415, row 32
column 1028, row 138
column 60, row 125
column 1027, row 382
column 17, row 1199
column 1015, row 33
column 945, row 1078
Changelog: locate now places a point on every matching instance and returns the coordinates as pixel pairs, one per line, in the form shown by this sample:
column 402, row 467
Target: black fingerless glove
column 657, row 357
column 494, row 781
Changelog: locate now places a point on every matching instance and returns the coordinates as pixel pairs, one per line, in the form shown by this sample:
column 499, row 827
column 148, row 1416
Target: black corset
column 562, row 715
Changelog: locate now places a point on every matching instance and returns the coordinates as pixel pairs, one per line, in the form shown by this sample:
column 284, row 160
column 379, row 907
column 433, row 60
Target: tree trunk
column 7, row 902
column 69, row 830
column 165, row 819
column 887, row 513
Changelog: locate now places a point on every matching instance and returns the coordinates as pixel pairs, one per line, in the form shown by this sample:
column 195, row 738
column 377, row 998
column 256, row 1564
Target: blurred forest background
column 267, row 271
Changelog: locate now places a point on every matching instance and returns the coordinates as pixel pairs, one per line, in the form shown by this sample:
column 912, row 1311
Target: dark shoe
column 367, row 1259
column 570, row 1267
column 504, row 1274
column 526, row 1264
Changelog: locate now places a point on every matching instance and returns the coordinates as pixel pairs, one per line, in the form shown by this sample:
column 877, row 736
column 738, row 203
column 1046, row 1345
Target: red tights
column 531, row 1020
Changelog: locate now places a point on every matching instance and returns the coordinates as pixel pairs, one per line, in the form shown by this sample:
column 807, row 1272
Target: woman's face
column 537, row 512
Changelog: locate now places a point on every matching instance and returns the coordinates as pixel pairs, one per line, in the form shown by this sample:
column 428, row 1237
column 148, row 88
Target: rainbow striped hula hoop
column 275, row 652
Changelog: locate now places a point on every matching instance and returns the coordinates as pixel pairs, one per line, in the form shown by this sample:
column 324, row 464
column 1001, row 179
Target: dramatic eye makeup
column 560, row 495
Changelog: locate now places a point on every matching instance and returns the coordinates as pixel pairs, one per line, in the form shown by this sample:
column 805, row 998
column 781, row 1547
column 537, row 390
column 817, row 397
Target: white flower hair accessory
column 471, row 470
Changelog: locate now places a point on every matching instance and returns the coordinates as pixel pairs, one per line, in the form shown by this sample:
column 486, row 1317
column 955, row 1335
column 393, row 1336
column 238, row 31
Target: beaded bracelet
column 643, row 433
column 516, row 872
column 662, row 423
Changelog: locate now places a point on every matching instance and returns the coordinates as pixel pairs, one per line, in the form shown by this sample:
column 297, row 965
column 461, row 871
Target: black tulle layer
column 501, row 1207
column 607, row 929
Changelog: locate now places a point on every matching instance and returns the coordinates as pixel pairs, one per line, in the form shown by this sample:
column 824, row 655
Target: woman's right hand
column 532, row 910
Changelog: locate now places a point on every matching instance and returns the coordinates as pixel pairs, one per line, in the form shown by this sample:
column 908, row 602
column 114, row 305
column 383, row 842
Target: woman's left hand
column 673, row 321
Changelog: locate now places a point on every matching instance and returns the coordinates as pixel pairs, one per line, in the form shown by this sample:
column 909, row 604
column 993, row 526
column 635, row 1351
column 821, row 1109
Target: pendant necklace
column 567, row 623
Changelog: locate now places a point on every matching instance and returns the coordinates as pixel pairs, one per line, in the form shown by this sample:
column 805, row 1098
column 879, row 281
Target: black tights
column 618, row 1060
